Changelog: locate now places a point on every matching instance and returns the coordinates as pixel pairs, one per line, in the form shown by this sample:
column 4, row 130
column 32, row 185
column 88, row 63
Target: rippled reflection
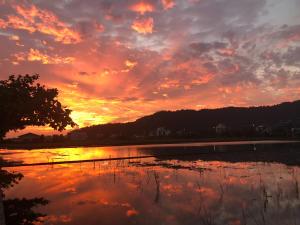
column 92, row 153
column 17, row 211
column 173, row 191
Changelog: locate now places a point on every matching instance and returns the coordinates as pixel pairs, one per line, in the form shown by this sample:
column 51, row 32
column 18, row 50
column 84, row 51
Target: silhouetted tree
column 20, row 211
column 26, row 103
column 9, row 179
column 17, row 211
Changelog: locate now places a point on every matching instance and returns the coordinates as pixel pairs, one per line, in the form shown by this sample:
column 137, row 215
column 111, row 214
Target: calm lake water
column 235, row 184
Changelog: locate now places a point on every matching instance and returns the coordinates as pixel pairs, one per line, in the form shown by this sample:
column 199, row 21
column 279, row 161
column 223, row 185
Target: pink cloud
column 168, row 4
column 142, row 7
column 143, row 26
column 33, row 19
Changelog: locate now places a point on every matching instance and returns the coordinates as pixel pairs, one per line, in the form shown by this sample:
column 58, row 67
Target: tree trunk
column 2, row 216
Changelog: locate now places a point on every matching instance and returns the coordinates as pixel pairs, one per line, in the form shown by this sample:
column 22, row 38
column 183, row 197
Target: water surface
column 90, row 153
column 174, row 190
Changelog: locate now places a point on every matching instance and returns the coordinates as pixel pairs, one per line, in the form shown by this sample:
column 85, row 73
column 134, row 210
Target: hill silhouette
column 276, row 120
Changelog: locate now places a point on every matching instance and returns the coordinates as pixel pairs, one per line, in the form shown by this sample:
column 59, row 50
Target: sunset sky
column 117, row 60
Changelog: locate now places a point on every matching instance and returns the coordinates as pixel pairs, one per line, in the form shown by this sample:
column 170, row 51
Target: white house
column 221, row 128
column 161, row 131
column 295, row 131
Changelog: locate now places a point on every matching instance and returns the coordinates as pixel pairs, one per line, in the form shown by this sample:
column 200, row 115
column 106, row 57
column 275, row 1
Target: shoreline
column 145, row 142
column 234, row 152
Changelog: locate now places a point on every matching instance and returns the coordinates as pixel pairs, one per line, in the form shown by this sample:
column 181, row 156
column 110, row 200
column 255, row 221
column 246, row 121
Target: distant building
column 77, row 136
column 263, row 130
column 161, row 131
column 295, row 132
column 221, row 128
column 28, row 137
column 181, row 132
column 138, row 135
column 260, row 128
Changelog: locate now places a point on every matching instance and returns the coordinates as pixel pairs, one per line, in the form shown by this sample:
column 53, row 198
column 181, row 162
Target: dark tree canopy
column 9, row 179
column 18, row 211
column 26, row 103
column 22, row 211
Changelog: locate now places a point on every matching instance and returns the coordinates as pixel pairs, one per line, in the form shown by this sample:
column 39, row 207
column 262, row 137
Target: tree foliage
column 23, row 102
column 18, row 211
column 22, row 211
column 9, row 179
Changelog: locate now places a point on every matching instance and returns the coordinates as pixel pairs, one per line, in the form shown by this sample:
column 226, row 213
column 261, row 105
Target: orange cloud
column 19, row 23
column 36, row 55
column 132, row 212
column 227, row 52
column 168, row 4
column 34, row 19
column 169, row 84
column 2, row 24
column 142, row 7
column 14, row 38
column 130, row 64
column 230, row 90
column 143, row 26
column 84, row 118
column 204, row 79
column 99, row 27
column 294, row 37
column 61, row 218
column 87, row 110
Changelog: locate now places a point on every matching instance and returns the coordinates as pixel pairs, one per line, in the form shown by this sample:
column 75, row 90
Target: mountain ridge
column 203, row 121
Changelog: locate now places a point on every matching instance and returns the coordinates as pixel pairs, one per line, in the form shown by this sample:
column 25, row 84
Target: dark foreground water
column 228, row 186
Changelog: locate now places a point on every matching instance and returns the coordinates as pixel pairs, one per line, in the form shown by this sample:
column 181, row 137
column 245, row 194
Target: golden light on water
column 59, row 154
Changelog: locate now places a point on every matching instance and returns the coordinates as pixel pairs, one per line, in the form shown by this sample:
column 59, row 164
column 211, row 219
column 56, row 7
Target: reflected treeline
column 288, row 154
column 21, row 211
column 9, row 179
column 17, row 211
